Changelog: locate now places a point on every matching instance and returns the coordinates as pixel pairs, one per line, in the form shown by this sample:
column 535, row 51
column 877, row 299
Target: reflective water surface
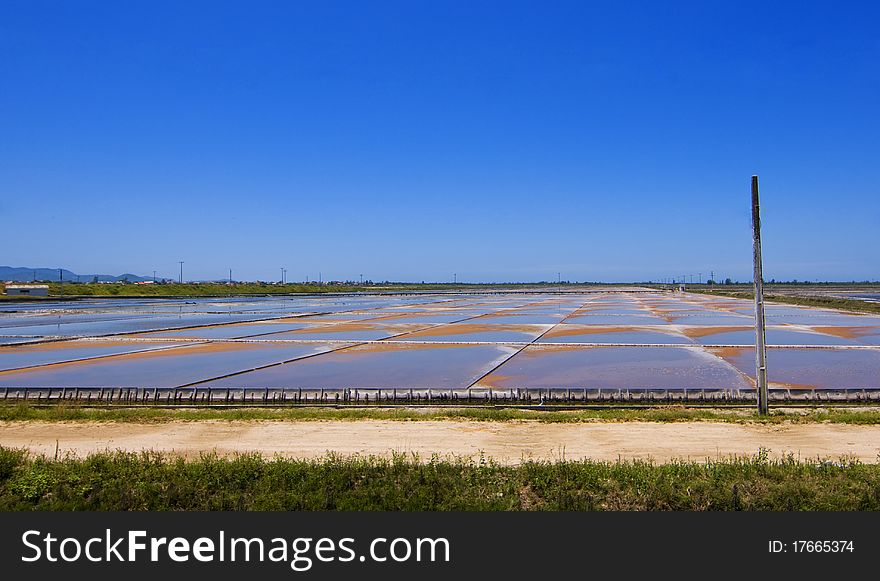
column 587, row 340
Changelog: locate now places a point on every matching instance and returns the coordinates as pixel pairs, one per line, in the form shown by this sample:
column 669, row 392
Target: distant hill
column 23, row 274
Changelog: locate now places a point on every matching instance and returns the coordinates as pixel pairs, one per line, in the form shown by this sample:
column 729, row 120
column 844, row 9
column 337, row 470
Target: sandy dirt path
column 506, row 442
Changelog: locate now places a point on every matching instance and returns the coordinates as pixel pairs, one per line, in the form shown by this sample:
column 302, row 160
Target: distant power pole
column 760, row 347
column 230, row 276
column 701, row 278
column 154, row 276
column 362, row 279
column 454, row 278
column 558, row 278
column 712, row 275
column 181, row 271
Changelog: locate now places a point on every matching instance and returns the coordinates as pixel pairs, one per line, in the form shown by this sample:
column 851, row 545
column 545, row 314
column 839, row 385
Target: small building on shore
column 32, row 290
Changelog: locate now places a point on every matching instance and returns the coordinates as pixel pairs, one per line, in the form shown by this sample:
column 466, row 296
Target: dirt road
column 506, row 442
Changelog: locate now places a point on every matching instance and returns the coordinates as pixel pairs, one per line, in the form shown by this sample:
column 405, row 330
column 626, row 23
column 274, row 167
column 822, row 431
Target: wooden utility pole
column 760, row 348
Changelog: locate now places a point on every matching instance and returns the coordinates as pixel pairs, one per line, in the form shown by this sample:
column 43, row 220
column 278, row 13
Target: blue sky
column 501, row 141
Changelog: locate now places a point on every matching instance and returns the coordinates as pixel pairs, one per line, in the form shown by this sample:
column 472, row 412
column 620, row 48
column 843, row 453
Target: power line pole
column 230, row 276
column 454, row 278
column 180, row 280
column 760, row 347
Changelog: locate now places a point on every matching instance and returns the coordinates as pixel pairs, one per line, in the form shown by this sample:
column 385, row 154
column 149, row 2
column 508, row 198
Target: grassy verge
column 853, row 305
column 211, row 289
column 185, row 290
column 124, row 481
column 207, row 289
column 61, row 413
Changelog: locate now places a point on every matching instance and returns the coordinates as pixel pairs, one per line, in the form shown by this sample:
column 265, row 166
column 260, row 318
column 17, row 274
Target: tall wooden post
column 760, row 347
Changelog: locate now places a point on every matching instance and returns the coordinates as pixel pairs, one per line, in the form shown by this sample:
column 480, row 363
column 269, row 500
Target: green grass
column 76, row 290
column 853, row 305
column 149, row 481
column 63, row 413
column 206, row 289
column 184, row 290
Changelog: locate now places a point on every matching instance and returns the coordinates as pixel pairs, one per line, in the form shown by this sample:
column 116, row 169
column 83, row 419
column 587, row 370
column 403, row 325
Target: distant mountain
column 23, row 274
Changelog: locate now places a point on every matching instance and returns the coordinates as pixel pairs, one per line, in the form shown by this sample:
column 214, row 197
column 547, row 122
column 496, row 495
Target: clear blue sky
column 412, row 140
